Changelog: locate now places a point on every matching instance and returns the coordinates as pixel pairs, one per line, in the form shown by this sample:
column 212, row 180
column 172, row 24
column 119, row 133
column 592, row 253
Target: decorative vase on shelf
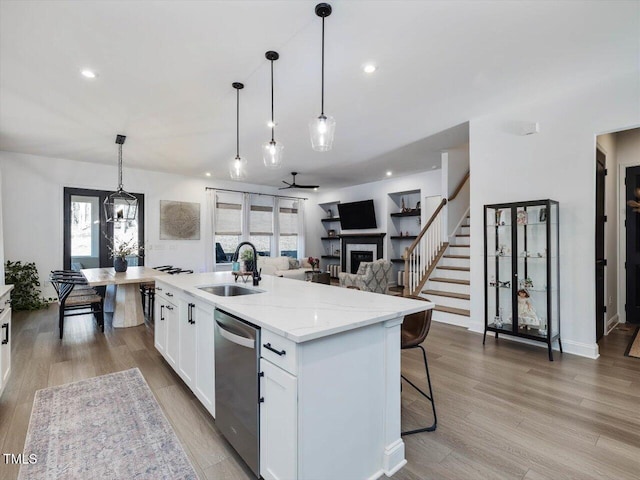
column 120, row 264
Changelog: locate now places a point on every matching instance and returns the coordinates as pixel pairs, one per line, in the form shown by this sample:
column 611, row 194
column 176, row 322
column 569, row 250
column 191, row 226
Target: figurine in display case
column 526, row 313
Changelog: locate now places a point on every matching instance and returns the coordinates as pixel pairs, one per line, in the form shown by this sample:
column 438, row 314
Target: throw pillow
column 293, row 263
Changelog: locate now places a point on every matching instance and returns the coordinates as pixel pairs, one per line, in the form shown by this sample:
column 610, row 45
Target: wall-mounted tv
column 357, row 215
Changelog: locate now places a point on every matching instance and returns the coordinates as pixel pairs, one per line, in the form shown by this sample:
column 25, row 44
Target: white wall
column 455, row 165
column 607, row 143
column 628, row 155
column 428, row 182
column 32, row 195
column 1, row 237
column 556, row 163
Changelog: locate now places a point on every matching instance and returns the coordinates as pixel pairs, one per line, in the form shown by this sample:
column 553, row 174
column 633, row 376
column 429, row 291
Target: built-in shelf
column 335, row 237
column 411, row 213
column 404, row 237
column 330, row 220
column 331, row 257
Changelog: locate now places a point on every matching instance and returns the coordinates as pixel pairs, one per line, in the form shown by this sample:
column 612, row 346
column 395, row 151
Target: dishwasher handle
column 234, row 338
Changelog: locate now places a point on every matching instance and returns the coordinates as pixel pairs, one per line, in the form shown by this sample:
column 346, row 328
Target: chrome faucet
column 255, row 274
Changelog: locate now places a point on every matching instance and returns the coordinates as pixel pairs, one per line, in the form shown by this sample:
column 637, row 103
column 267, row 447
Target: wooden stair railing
column 421, row 258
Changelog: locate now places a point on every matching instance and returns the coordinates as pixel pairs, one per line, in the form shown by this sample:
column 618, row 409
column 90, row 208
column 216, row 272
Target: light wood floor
column 504, row 410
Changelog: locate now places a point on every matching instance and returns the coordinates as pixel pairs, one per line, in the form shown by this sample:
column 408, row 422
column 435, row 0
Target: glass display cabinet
column 521, row 271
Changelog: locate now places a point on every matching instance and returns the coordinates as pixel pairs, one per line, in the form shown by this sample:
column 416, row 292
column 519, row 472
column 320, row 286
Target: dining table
column 127, row 300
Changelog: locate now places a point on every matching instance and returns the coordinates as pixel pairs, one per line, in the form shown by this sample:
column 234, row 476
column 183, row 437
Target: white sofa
column 283, row 267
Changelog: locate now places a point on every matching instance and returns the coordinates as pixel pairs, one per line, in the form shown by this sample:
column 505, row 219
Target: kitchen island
column 329, row 369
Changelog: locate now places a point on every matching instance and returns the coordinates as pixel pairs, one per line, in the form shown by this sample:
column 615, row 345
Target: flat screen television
column 357, row 215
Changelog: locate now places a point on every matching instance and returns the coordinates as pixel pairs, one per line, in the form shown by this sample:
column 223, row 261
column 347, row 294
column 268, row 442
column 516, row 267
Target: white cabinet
column 160, row 326
column 184, row 336
column 5, row 340
column 187, row 351
column 278, row 423
column 202, row 315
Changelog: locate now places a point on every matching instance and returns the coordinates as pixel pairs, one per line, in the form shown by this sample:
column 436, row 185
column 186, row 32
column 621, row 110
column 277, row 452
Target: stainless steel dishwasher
column 237, row 356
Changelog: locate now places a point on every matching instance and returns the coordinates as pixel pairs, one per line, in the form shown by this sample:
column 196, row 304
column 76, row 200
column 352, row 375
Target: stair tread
column 456, row 311
column 450, row 280
column 458, row 256
column 441, row 293
column 459, row 269
column 462, row 235
column 460, row 246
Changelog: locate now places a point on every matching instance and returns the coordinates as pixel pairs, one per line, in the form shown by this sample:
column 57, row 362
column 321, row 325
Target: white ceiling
column 166, row 68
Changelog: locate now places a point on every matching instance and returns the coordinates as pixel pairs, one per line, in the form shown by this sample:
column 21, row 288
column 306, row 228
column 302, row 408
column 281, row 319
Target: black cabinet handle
column 191, row 307
column 261, row 400
column 169, row 307
column 278, row 352
column 169, row 294
column 6, row 333
column 159, row 289
column 161, row 312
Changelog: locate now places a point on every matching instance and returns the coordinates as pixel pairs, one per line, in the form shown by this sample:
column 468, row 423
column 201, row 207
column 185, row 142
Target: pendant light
column 238, row 167
column 323, row 127
column 272, row 151
column 120, row 206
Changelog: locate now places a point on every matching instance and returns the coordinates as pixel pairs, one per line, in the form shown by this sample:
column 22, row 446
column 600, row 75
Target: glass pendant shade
column 321, row 130
column 272, row 153
column 238, row 169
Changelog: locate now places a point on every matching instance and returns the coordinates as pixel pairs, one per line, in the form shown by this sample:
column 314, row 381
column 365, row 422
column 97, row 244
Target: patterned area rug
column 108, row 427
column 633, row 350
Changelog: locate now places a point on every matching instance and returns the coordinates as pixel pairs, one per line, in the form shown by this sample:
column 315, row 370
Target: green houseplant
column 26, row 294
column 247, row 257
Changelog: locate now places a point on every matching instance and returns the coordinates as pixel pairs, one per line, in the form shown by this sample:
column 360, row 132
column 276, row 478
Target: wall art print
column 179, row 220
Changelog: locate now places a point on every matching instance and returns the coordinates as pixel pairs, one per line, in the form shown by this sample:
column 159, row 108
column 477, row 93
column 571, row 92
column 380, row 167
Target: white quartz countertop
column 5, row 288
column 298, row 310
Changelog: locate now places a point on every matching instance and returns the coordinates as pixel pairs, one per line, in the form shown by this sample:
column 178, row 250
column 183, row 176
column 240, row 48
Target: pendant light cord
column 273, row 125
column 120, row 167
column 322, row 94
column 237, row 123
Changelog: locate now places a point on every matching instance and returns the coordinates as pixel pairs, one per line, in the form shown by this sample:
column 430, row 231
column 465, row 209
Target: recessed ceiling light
column 369, row 68
column 315, row 189
column 208, row 174
column 389, row 172
column 271, row 124
column 88, row 73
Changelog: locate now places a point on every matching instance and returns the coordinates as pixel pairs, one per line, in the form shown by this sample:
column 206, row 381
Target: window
column 261, row 224
column 228, row 228
column 288, row 219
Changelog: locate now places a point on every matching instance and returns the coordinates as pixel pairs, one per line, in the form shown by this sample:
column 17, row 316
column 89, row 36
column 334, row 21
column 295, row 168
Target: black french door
column 87, row 234
column 600, row 253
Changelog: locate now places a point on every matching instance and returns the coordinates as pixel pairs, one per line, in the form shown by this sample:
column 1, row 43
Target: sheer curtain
column 210, row 234
column 301, row 229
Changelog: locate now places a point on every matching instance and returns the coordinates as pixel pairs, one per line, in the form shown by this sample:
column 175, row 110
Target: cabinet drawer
column 279, row 351
column 167, row 292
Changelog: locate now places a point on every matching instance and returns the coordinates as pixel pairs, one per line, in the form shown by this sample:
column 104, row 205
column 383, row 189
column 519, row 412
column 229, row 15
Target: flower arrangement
column 314, row 262
column 125, row 249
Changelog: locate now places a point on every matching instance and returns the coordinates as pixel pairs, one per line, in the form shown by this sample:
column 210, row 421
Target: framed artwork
column 179, row 220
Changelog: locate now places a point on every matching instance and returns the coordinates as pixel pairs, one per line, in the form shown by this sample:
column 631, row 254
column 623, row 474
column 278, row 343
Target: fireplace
column 360, row 247
column 358, row 256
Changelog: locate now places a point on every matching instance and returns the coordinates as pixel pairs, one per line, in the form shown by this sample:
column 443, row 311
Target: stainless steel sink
column 229, row 290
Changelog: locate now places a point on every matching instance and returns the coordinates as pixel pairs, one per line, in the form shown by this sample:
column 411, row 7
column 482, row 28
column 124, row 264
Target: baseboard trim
column 568, row 346
column 458, row 323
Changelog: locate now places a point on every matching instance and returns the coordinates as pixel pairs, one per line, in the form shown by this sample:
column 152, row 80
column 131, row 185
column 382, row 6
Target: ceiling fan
column 294, row 185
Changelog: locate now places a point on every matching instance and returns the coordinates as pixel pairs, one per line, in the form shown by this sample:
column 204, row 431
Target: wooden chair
column 413, row 333
column 75, row 296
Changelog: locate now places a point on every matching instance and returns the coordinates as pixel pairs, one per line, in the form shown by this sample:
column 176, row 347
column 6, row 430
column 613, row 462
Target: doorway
column 87, row 234
column 601, row 262
column 632, row 271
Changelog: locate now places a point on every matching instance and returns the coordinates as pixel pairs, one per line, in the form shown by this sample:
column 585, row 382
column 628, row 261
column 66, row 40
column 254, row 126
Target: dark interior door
column 632, row 264
column 600, row 260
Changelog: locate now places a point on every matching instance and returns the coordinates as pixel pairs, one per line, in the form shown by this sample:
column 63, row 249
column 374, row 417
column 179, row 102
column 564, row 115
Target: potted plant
column 26, row 294
column 314, row 262
column 247, row 258
column 121, row 252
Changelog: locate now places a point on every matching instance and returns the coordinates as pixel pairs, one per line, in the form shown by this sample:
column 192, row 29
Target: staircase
column 448, row 285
